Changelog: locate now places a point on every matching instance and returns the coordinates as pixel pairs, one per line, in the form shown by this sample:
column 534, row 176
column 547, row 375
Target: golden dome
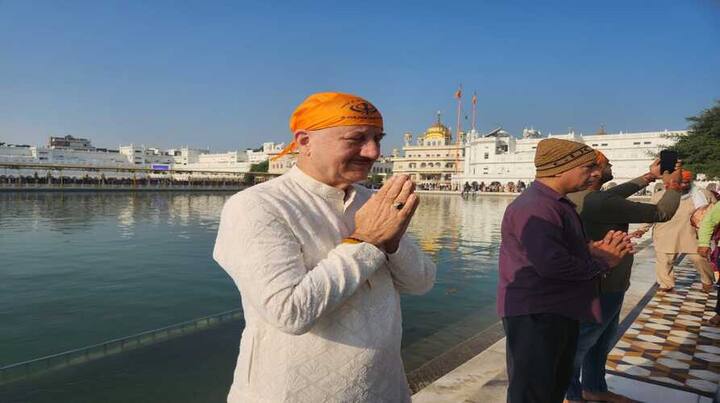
column 438, row 131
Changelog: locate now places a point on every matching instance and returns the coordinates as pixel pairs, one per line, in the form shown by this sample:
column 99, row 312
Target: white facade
column 281, row 165
column 61, row 155
column 20, row 152
column 130, row 156
column 186, row 155
column 383, row 166
column 256, row 157
column 231, row 161
column 500, row 157
column 141, row 155
column 433, row 161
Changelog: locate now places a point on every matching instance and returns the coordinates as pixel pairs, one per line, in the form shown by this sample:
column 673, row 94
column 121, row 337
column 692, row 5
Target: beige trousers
column 664, row 268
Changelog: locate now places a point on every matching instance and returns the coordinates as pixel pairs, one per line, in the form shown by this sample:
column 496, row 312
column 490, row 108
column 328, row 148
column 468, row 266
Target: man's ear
column 302, row 139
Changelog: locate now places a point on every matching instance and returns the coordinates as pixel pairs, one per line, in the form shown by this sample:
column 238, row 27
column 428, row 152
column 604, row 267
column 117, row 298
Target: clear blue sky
column 228, row 74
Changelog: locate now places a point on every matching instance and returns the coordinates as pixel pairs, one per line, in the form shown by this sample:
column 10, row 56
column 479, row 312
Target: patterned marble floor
column 670, row 343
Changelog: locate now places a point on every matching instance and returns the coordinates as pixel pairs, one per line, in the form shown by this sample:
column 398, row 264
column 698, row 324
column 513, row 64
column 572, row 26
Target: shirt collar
column 550, row 192
column 323, row 190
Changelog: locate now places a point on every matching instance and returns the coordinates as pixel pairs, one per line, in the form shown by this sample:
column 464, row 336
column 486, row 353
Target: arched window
column 422, row 165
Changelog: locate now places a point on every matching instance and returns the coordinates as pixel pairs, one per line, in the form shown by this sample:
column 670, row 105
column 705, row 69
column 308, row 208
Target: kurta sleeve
column 413, row 271
column 265, row 260
column 708, row 224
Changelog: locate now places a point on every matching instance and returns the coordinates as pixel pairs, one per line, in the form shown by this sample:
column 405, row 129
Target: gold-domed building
column 433, row 160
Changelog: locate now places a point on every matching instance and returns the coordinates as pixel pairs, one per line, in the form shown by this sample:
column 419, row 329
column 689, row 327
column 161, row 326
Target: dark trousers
column 540, row 349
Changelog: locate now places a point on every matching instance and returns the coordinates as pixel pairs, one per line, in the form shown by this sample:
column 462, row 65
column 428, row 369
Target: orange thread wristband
column 352, row 241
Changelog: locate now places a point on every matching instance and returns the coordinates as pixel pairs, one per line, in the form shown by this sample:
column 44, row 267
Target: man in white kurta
column 322, row 311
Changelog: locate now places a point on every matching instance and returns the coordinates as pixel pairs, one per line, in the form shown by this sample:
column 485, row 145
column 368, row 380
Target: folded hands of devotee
column 385, row 217
column 613, row 247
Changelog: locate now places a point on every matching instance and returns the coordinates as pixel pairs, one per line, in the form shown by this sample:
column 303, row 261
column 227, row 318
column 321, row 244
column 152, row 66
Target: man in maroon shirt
column 548, row 271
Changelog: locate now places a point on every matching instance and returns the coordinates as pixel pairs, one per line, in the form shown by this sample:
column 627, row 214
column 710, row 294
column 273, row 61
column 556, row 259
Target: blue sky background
column 227, row 74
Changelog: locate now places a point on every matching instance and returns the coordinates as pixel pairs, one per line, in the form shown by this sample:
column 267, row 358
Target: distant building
column 283, row 164
column 186, row 155
column 71, row 142
column 141, row 155
column 231, row 161
column 498, row 157
column 433, row 160
column 382, row 167
column 256, row 157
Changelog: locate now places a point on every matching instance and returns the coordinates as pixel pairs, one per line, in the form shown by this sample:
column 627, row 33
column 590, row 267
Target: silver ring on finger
column 398, row 205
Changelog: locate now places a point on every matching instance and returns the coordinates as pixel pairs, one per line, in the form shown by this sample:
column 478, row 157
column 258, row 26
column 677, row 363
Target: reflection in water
column 463, row 235
column 82, row 268
column 461, row 225
column 67, row 212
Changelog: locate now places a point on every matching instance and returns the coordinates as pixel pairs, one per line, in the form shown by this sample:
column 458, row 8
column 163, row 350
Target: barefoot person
column 548, row 273
column 320, row 263
column 678, row 236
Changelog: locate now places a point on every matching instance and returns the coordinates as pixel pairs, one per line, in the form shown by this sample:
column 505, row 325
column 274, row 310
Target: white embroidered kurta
column 323, row 321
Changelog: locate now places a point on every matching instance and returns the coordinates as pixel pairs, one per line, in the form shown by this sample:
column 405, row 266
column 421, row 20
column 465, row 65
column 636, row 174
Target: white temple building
column 499, row 157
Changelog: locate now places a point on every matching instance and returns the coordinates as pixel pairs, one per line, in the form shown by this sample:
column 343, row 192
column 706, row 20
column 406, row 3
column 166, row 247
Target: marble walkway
column 666, row 353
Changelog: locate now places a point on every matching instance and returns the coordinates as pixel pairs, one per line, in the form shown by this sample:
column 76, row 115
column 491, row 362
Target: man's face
column 342, row 155
column 607, row 174
column 686, row 184
column 580, row 177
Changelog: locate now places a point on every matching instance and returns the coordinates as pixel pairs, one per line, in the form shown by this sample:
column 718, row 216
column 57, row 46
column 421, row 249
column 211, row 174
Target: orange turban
column 331, row 109
column 687, row 176
column 601, row 159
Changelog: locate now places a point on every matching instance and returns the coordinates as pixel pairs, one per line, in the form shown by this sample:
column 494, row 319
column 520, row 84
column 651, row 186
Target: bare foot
column 707, row 287
column 714, row 321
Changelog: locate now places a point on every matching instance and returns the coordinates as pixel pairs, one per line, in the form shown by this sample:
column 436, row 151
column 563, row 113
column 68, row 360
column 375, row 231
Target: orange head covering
column 331, row 109
column 601, row 159
column 687, row 176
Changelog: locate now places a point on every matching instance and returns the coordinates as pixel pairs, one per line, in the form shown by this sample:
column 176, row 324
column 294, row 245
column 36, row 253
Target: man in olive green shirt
column 602, row 211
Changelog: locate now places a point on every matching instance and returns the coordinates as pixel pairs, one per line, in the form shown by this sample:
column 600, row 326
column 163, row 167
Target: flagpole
column 458, row 95
column 458, row 129
column 474, row 109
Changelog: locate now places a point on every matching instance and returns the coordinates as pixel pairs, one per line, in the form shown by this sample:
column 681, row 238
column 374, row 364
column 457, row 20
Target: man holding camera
column 603, row 211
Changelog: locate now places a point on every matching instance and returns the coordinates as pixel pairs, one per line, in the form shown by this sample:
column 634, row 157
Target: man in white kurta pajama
column 322, row 310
